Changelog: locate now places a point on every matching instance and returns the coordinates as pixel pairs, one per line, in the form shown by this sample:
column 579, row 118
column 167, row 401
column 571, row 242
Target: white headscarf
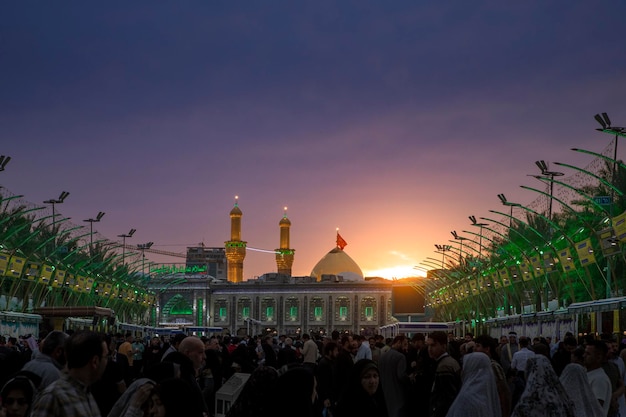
column 544, row 395
column 576, row 384
column 478, row 396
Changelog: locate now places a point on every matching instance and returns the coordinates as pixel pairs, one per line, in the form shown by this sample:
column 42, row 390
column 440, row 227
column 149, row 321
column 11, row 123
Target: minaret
column 235, row 247
column 284, row 254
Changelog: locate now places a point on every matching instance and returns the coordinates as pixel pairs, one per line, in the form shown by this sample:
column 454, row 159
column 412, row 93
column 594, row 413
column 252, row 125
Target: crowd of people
column 88, row 374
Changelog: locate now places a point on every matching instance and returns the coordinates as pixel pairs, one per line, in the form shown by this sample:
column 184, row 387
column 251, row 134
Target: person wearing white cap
column 508, row 350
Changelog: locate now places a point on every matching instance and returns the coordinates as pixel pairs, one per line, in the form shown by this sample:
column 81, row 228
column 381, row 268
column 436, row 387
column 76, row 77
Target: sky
column 392, row 121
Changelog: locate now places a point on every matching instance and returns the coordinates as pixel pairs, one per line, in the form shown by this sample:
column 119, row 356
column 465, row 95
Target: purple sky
column 393, row 121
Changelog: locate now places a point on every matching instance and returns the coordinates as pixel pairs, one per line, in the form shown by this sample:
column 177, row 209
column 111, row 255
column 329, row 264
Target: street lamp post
column 550, row 174
column 4, row 160
column 443, row 249
column 143, row 247
column 605, row 122
column 124, row 236
column 53, row 201
column 505, row 202
column 460, row 239
column 480, row 237
column 91, row 222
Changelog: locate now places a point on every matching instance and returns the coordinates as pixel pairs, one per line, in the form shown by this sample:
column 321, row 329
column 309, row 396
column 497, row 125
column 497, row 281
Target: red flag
column 340, row 242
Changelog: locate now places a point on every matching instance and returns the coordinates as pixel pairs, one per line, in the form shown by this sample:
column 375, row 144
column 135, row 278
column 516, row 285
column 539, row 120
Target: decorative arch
column 177, row 306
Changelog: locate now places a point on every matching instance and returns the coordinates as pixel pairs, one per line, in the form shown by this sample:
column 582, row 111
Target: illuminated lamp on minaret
column 235, row 247
column 284, row 254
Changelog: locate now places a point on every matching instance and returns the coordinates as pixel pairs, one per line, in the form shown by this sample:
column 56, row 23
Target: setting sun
column 396, row 272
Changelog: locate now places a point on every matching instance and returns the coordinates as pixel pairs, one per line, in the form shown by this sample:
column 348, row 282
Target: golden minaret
column 284, row 254
column 235, row 247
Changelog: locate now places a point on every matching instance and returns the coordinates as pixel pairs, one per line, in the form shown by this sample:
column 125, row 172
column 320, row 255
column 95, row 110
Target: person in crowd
column 49, row 361
column 259, row 395
column 478, row 395
column 126, row 349
column 191, row 358
column 594, row 357
column 310, row 352
column 447, row 380
column 174, row 398
column 213, row 372
column 362, row 396
column 127, row 404
column 576, row 384
column 138, row 349
column 508, row 350
column 287, row 353
column 563, row 354
column 153, row 353
column 10, row 361
column 174, row 344
column 296, row 392
column 17, row 394
column 364, row 351
column 343, row 362
column 543, row 396
column 518, row 364
column 327, row 388
column 422, row 374
column 110, row 387
column 488, row 345
column 87, row 354
column 268, row 352
column 375, row 349
column 394, row 378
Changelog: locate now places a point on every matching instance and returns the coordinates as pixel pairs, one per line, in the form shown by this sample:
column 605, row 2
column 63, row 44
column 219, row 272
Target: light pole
column 460, row 239
column 143, row 247
column 443, row 249
column 480, row 237
column 505, row 202
column 91, row 222
column 124, row 236
column 550, row 174
column 605, row 122
column 53, row 201
column 4, row 160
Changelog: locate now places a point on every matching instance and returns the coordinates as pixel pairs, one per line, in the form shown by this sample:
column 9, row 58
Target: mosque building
column 335, row 296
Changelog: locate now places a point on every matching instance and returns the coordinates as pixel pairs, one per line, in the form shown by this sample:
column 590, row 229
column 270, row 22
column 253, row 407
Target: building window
column 342, row 309
column 244, row 306
column 316, row 309
column 292, row 309
column 368, row 309
column 268, row 305
column 220, row 311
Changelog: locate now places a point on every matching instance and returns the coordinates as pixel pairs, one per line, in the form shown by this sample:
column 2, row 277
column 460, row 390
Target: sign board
column 603, row 200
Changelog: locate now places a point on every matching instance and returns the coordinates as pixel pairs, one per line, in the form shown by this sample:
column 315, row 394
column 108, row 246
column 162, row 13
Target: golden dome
column 284, row 221
column 337, row 262
column 236, row 211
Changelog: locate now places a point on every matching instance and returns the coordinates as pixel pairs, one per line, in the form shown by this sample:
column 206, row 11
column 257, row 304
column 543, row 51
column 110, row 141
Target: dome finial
column 285, row 213
column 236, row 200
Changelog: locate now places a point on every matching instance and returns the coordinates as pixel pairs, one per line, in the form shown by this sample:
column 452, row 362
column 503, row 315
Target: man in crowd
column 309, row 352
column 507, row 351
column 447, row 375
column 393, row 377
column 50, row 360
column 364, row 351
column 69, row 396
column 594, row 357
